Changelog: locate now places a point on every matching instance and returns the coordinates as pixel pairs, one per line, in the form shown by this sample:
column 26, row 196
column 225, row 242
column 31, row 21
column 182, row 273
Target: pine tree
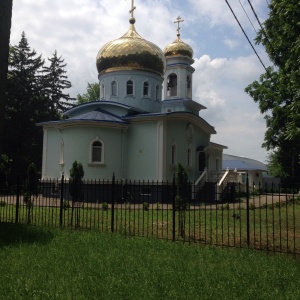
column 55, row 82
column 25, row 106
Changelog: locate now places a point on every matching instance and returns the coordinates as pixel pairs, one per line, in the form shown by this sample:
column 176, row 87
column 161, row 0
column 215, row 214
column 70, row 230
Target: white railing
column 200, row 182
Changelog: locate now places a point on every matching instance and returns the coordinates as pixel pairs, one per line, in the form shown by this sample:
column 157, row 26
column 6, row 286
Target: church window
column 157, row 92
column 114, row 89
column 189, row 86
column 172, row 85
column 129, row 87
column 102, row 91
column 146, row 89
column 97, row 152
column 173, row 155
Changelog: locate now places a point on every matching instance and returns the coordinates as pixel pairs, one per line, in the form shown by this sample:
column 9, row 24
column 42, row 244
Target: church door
column 201, row 161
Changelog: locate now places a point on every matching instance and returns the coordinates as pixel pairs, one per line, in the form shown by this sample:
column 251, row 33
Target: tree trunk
column 5, row 25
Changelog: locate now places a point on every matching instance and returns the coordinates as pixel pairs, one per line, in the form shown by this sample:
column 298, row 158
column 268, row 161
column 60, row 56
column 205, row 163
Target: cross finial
column 132, row 8
column 179, row 20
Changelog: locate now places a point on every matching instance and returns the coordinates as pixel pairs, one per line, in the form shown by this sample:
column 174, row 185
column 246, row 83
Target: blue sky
column 224, row 61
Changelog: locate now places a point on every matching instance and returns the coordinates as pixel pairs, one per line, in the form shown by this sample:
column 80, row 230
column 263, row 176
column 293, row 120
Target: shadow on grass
column 15, row 234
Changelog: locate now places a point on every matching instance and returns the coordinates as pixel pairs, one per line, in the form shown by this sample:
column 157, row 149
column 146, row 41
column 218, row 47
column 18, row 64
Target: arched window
column 157, row 92
column 173, row 155
column 97, row 152
column 114, row 89
column 129, row 87
column 172, row 85
column 102, row 91
column 189, row 86
column 146, row 89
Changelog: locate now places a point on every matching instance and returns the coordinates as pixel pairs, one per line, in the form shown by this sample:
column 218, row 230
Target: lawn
column 47, row 263
column 271, row 227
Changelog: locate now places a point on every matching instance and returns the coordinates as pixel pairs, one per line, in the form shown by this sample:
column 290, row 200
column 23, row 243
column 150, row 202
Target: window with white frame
column 102, row 91
column 146, row 89
column 129, row 87
column 157, row 92
column 97, row 152
column 114, row 89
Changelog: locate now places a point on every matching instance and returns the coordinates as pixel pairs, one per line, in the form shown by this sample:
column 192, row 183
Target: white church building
column 145, row 123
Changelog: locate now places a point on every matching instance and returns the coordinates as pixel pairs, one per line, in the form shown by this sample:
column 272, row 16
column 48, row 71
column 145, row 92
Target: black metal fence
column 258, row 217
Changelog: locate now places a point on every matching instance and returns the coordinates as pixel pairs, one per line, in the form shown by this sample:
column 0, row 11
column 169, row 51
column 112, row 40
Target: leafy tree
column 55, row 82
column 278, row 90
column 5, row 25
column 92, row 93
column 75, row 187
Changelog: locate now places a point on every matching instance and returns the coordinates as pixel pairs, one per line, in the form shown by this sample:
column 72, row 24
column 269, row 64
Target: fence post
column 113, row 204
column 17, row 200
column 62, row 181
column 247, row 206
column 174, row 210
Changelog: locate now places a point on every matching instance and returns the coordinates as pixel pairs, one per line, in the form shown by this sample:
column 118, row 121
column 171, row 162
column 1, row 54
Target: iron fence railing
column 261, row 217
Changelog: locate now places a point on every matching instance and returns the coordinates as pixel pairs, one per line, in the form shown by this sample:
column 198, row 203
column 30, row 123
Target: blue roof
column 242, row 163
column 98, row 115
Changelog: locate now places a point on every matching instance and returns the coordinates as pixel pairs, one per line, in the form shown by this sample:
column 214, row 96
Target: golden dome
column 131, row 51
column 178, row 47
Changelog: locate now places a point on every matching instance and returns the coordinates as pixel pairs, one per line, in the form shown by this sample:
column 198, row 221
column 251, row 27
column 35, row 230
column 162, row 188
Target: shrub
column 105, row 206
column 146, row 206
column 252, row 206
column 2, row 203
column 66, row 205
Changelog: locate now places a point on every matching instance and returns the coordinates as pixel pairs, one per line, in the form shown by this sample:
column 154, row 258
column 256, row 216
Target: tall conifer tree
column 55, row 82
column 24, row 107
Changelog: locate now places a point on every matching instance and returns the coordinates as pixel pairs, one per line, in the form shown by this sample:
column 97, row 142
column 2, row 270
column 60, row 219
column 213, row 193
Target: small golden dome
column 178, row 47
column 131, row 51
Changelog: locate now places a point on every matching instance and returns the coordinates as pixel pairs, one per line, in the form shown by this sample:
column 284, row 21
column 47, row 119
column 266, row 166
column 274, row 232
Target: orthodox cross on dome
column 131, row 11
column 179, row 20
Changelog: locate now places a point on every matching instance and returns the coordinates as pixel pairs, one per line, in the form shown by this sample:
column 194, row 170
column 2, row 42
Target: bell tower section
column 178, row 78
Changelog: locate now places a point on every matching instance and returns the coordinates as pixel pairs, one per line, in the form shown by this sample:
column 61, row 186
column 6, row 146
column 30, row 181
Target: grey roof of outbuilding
column 242, row 163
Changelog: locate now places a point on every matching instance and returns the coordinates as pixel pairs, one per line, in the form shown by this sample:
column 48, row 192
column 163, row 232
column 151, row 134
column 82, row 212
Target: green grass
column 273, row 227
column 46, row 263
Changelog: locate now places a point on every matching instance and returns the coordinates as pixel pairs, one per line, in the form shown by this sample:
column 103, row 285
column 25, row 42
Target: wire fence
column 257, row 217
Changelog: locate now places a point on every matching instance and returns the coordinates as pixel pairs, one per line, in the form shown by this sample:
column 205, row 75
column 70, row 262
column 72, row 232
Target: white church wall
column 79, row 149
column 150, row 102
column 177, row 134
column 142, row 151
column 52, row 143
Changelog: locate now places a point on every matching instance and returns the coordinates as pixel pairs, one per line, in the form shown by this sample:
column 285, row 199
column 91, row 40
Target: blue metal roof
column 98, row 115
column 241, row 163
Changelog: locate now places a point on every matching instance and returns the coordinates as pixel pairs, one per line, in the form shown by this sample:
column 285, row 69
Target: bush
column 105, row 206
column 146, row 206
column 252, row 206
column 2, row 203
column 66, row 205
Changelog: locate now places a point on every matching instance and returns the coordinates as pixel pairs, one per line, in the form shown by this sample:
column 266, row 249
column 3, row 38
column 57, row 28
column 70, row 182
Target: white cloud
column 230, row 43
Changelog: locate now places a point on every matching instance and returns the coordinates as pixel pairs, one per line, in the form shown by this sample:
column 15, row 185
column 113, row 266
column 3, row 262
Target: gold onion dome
column 178, row 47
column 132, row 52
